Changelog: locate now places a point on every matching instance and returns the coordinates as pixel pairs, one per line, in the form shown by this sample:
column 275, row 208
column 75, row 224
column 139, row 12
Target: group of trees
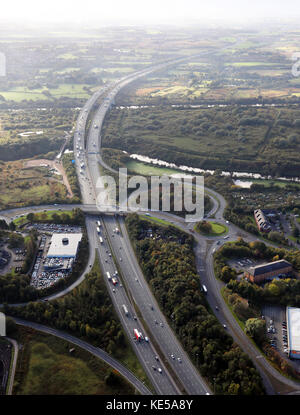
column 283, row 291
column 169, row 267
column 204, row 227
column 74, row 217
column 86, row 312
column 242, row 132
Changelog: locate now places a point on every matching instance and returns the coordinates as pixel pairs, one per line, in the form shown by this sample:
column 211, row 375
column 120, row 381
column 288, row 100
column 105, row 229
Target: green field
column 148, row 169
column 217, row 229
column 19, row 94
column 232, row 139
column 45, row 367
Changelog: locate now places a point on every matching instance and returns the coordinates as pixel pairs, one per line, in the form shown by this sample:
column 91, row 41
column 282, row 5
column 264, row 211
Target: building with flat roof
column 293, row 326
column 64, row 245
column 268, row 271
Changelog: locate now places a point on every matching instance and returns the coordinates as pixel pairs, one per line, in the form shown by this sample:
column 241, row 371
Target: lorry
column 108, row 276
column 114, row 281
column 125, row 309
column 137, row 334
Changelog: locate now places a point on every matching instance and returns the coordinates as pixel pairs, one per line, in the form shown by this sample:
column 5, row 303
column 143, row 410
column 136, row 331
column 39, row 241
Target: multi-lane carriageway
column 162, row 381
column 169, row 345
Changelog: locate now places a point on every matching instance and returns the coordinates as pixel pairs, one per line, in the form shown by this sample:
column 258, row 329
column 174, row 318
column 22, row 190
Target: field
column 45, row 367
column 242, row 139
column 21, row 186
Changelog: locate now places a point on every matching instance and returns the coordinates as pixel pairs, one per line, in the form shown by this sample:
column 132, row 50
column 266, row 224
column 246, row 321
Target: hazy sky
column 142, row 11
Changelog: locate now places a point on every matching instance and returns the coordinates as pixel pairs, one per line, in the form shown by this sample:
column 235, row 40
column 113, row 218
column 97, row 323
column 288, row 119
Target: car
column 121, row 259
column 156, row 358
column 179, row 360
column 217, row 308
column 224, row 325
column 134, row 318
column 147, row 339
column 114, row 290
column 153, row 367
column 173, row 357
column 159, row 369
column 161, row 324
column 155, row 321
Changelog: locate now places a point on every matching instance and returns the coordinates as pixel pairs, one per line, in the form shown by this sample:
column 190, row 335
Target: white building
column 64, row 245
column 293, row 324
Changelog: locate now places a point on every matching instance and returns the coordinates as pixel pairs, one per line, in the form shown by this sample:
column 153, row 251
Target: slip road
column 163, row 404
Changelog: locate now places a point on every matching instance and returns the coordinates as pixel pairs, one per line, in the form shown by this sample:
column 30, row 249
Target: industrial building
column 269, row 271
column 293, row 326
column 261, row 221
column 64, row 245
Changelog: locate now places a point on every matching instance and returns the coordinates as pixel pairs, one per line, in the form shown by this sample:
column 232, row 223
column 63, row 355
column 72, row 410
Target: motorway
column 133, row 277
column 88, row 166
column 204, row 256
column 144, row 350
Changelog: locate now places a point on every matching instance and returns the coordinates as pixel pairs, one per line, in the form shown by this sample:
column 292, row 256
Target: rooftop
column 293, row 315
column 64, row 245
column 271, row 266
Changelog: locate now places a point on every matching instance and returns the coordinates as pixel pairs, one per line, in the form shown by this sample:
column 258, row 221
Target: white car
column 159, row 369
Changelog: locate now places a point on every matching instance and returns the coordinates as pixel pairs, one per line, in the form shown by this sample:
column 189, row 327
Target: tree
column 12, row 226
column 228, row 274
column 256, row 328
column 204, row 227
